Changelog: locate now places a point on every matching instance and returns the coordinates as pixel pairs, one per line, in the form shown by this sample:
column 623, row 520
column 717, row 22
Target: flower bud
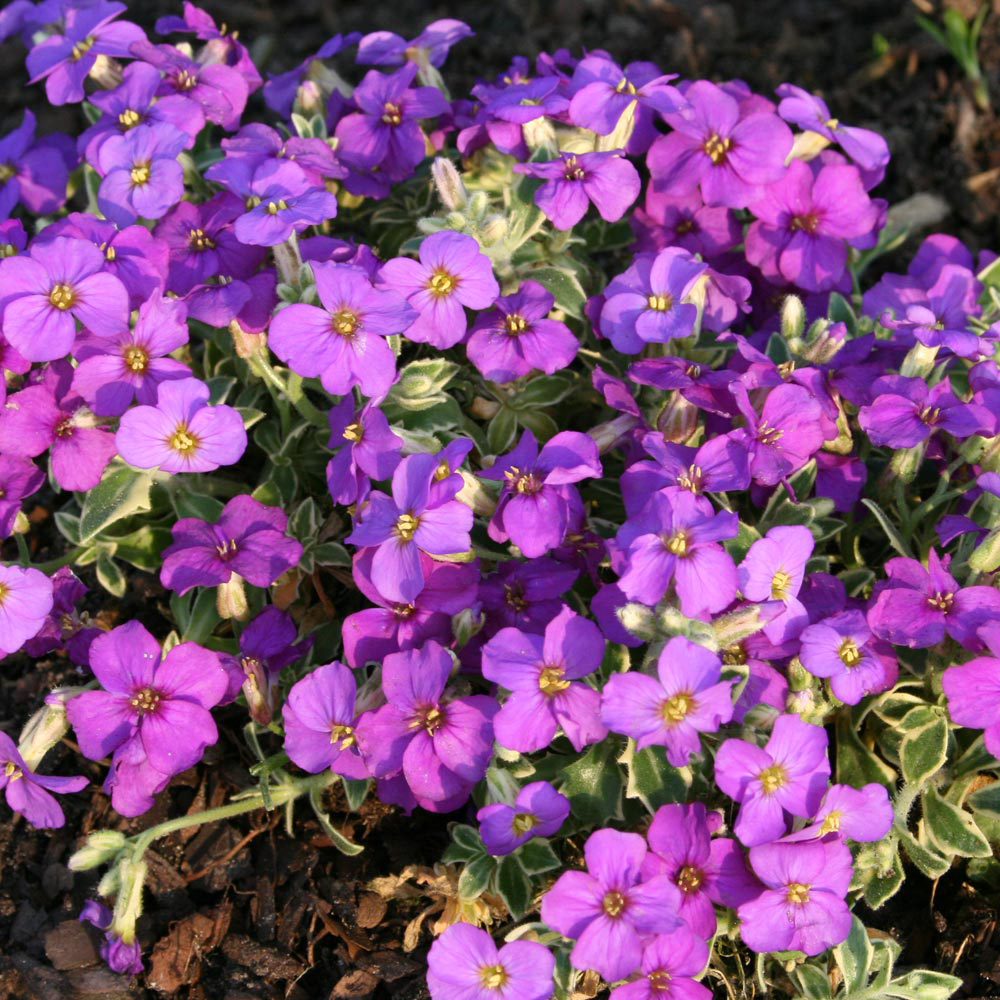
column 231, row 599
column 449, row 184
column 500, row 786
column 128, row 903
column 678, row 420
column 919, row 362
column 475, row 496
column 465, row 625
column 309, row 99
column 807, row 146
column 985, row 557
column 793, row 318
column 101, row 847
column 732, row 629
column 608, row 434
column 639, row 620
column 247, row 345
column 494, row 228
column 43, row 731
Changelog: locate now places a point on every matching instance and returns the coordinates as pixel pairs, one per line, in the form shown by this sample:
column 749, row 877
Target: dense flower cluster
column 619, row 524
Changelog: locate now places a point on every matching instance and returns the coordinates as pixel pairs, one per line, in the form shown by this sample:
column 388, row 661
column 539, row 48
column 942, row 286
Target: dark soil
column 242, row 910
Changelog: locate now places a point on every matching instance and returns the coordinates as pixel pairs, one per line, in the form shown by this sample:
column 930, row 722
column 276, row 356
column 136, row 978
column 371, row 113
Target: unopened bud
column 493, row 230
column 793, row 318
column 622, row 132
column 309, row 99
column 906, row 462
column 608, row 434
column 465, row 625
column 449, row 184
column 807, row 146
column 231, row 599
column 639, row 620
column 678, row 420
column 247, row 345
column 919, row 361
column 475, row 496
column 100, row 848
column 732, row 629
column 128, row 904
column 43, row 731
column 985, row 557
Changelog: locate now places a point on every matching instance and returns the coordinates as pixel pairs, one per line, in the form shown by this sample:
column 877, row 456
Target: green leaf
column 895, row 539
column 196, row 505
column 355, row 792
column 856, row 764
column 923, row 984
column 546, row 390
column 338, row 840
column 651, row 778
column 331, row 554
column 932, row 864
column 194, row 614
column 465, row 844
column 513, row 886
column 502, row 430
column 142, row 548
column 122, row 492
column 923, row 751
column 854, row 956
column 986, row 800
column 539, row 423
column 69, row 526
column 422, row 378
column 564, row 286
column 812, row 983
column 882, row 887
column 109, row 576
column 952, row 830
column 593, row 786
column 475, row 877
column 537, row 856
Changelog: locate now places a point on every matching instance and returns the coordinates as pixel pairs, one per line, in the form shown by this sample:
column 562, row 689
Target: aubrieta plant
column 674, row 541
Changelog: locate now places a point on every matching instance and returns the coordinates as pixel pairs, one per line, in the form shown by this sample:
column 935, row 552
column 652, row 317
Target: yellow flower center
column 716, row 147
column 572, row 171
column 552, row 680
column 734, row 656
column 183, row 441
column 660, row 303
column 345, row 323
column 145, row 700
column 391, row 114
column 139, row 174
column 659, row 981
column 61, row 296
column 6, row 172
column 693, row 480
column 689, row 879
column 129, row 118
column 806, row 223
column 780, row 583
column 136, row 359
column 767, row 434
column 493, row 977
column 613, row 903
column 4, row 591
column 677, row 544
column 11, row 770
column 624, row 87
column 941, row 602
column 199, row 241
column 677, row 708
column 515, row 324
column 523, row 823
column 442, row 283
column 831, row 824
column 274, row 207
column 797, row 892
column 772, row 778
column 185, row 80
column 82, row 48
column 849, row 653
column 406, row 527
column 352, row 432
column 344, row 735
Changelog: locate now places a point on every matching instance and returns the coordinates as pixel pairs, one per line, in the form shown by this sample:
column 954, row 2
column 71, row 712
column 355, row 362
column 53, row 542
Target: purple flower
column 115, row 371
column 181, row 433
column 646, row 304
column 537, row 811
column 58, row 283
column 669, row 963
column 803, row 907
column 152, row 712
column 442, row 746
column 973, row 691
column 28, row 793
column 861, row 814
column 789, row 775
column 319, row 722
column 384, row 48
column 465, row 964
column 281, row 88
column 31, row 173
column 65, row 627
column 342, row 342
column 363, row 446
column 688, row 698
column 48, row 415
column 451, row 273
column 577, row 180
column 125, row 959
column 65, row 60
column 142, row 178
column 248, row 540
column 730, row 153
column 609, row 908
column 535, row 504
column 773, row 570
column 525, row 595
column 675, row 538
column 420, row 516
column 805, row 223
column 385, row 131
column 515, row 337
column 539, row 671
column 916, row 607
column 705, row 870
column 905, row 411
column 843, row 648
column 684, row 221
column 19, row 478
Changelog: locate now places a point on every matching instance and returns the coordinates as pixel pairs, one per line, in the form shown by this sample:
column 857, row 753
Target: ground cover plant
column 665, row 536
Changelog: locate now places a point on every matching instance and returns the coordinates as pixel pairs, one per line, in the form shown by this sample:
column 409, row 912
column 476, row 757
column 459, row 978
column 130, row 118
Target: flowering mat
column 491, row 532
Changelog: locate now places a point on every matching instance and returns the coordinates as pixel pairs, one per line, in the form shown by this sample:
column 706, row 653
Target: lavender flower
column 971, row 690
column 669, row 963
column 905, row 411
column 773, row 570
column 537, row 811
column 125, row 959
column 19, row 478
column 29, row 794
column 363, row 446
column 32, row 172
column 861, row 814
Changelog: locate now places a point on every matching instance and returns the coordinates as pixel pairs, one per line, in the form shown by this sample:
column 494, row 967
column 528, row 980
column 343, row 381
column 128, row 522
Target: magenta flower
column 181, row 433
column 19, row 478
column 32, row 173
column 342, row 343
column 684, row 221
column 441, row 745
column 535, row 504
column 540, row 672
column 577, row 180
column 805, row 223
column 730, row 153
column 65, row 627
column 789, row 775
column 115, row 371
column 249, row 540
column 515, row 338
column 706, row 870
column 917, row 607
column 319, row 722
column 29, row 794
column 973, row 691
column 451, row 273
column 57, row 283
column 861, row 814
column 152, row 712
column 363, row 446
column 669, row 963
column 773, row 570
column 64, row 60
column 525, row 595
column 125, row 959
column 687, row 698
column 610, row 908
column 538, row 811
column 465, row 964
column 646, row 304
column 843, row 649
column 675, row 539
column 803, row 907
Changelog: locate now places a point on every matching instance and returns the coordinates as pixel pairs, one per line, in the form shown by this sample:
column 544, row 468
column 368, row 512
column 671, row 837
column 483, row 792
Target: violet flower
column 125, row 959
column 973, row 691
column 525, row 595
column 609, row 908
column 385, row 48
column 669, row 963
column 249, row 540
column 803, row 907
column 31, row 172
column 576, row 181
column 684, row 221
column 540, row 672
column 280, row 89
column 29, row 794
column 65, row 627
column 319, row 719
column 537, row 811
column 862, row 814
column 19, row 478
column 535, row 503
column 181, row 433
column 153, row 712
column 451, row 273
column 514, row 337
column 687, row 698
column 465, row 964
column 363, row 446
column 441, row 745
column 342, row 343
column 25, row 601
column 45, row 292
column 773, row 570
column 789, row 775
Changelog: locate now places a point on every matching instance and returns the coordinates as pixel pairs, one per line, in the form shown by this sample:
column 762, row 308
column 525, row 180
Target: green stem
column 64, row 560
column 298, row 397
column 22, row 549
